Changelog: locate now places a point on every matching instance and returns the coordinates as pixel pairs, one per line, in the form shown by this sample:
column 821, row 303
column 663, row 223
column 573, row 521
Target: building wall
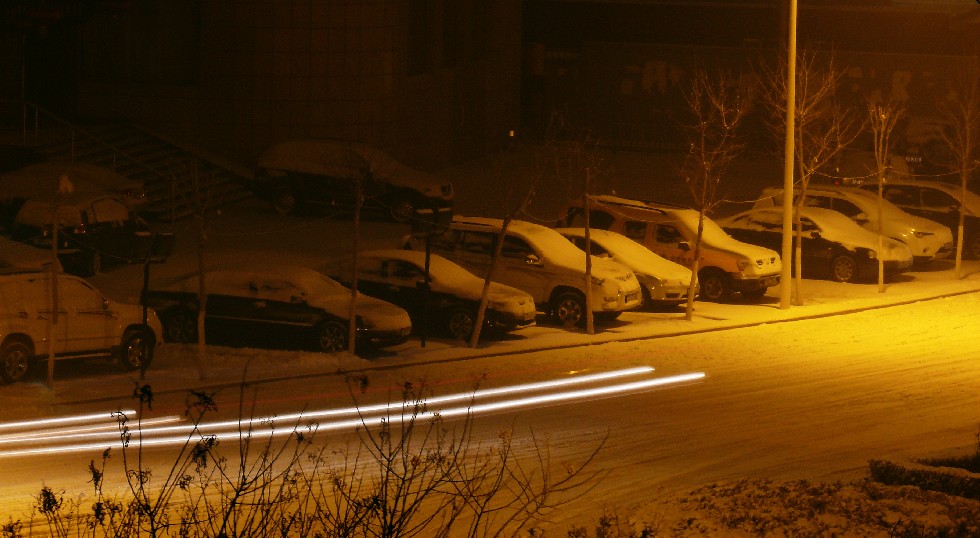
column 432, row 81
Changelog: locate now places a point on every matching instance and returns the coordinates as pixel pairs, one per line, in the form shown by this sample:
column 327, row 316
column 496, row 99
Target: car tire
column 843, row 268
column 461, row 323
column 135, row 350
column 285, row 201
column 971, row 247
column 179, row 326
column 14, row 361
column 332, row 337
column 715, row 285
column 569, row 308
column 402, row 209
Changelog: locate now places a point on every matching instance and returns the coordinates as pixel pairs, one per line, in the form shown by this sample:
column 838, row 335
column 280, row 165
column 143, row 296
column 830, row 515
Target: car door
column 474, row 251
column 817, row 250
column 910, row 198
column 279, row 308
column 89, row 323
column 528, row 269
column 670, row 243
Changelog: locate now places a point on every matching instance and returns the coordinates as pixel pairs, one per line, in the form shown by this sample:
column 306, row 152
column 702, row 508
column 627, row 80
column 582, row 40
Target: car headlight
column 745, row 263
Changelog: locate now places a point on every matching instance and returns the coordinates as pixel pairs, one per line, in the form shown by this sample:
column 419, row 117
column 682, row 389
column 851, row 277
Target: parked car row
column 642, row 256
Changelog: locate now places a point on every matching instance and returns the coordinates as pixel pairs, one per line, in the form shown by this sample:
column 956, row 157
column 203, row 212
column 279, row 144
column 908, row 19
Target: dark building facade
column 432, row 81
column 625, row 77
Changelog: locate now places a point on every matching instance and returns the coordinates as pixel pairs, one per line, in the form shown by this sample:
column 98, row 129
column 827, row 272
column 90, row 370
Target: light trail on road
column 38, row 438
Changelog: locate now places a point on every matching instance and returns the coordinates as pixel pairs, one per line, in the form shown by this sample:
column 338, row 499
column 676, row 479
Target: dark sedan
column 833, row 246
column 453, row 295
column 281, row 307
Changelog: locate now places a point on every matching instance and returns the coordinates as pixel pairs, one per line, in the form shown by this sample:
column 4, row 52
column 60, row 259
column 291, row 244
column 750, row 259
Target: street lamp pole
column 787, row 253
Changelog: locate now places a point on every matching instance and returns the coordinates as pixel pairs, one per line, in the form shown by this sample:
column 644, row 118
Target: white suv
column 88, row 325
column 539, row 261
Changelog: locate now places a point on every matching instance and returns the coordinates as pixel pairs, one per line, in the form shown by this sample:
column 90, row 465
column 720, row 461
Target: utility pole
column 786, row 277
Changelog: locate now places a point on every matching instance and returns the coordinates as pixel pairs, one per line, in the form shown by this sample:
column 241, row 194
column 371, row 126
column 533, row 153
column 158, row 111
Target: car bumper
column 629, row 300
column 509, row 321
column 375, row 338
column 942, row 253
column 668, row 295
column 755, row 283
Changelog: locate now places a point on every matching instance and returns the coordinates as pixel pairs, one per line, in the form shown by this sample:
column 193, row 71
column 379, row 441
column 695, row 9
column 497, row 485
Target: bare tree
column 717, row 105
column 523, row 200
column 578, row 166
column 823, row 128
column 961, row 111
column 882, row 118
column 405, row 472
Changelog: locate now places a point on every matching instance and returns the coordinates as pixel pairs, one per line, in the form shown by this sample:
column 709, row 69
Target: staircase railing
column 38, row 126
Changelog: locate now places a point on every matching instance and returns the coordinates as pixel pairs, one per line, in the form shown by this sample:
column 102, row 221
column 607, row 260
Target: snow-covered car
column 727, row 265
column 275, row 307
column 43, row 179
column 539, row 261
column 23, row 256
column 311, row 173
column 88, row 324
column 833, row 246
column 928, row 239
column 665, row 283
column 450, row 305
column 95, row 231
column 941, row 202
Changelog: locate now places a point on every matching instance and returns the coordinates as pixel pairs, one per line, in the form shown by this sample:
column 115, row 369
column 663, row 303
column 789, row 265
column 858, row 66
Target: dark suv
column 95, row 230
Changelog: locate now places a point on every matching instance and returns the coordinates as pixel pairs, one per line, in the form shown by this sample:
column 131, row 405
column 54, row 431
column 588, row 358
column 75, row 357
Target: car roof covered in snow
column 342, row 159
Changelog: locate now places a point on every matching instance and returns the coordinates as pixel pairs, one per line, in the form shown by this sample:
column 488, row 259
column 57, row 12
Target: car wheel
column 135, row 350
column 569, row 309
column 179, row 326
column 285, row 201
column 971, row 248
column 402, row 209
column 14, row 361
column 461, row 323
column 715, row 286
column 843, row 269
column 332, row 337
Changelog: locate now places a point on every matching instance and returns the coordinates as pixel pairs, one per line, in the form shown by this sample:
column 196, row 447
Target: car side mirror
column 683, row 245
column 532, row 259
